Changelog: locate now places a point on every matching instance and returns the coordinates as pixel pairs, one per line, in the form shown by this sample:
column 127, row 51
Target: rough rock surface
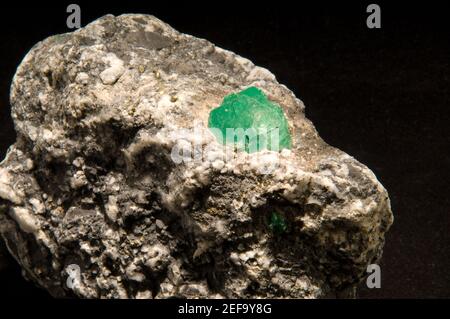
column 91, row 180
column 4, row 257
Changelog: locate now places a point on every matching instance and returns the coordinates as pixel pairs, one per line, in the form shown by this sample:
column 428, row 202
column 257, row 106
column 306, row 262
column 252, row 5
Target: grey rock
column 91, row 180
column 4, row 256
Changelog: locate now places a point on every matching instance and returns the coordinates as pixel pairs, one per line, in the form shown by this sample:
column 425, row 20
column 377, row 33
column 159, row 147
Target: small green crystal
column 277, row 223
column 250, row 111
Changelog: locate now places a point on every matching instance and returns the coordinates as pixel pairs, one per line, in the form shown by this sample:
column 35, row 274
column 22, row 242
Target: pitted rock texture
column 91, row 180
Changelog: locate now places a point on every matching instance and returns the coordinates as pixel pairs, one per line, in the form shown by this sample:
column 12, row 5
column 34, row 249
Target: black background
column 381, row 95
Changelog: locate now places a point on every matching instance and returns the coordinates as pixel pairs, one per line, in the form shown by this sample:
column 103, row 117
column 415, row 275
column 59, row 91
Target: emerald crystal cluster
column 250, row 121
column 277, row 223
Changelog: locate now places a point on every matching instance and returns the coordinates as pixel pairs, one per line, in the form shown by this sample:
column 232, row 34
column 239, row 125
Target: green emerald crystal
column 250, row 121
column 277, row 223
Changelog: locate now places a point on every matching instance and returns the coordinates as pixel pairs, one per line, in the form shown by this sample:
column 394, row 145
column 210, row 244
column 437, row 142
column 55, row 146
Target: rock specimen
column 117, row 187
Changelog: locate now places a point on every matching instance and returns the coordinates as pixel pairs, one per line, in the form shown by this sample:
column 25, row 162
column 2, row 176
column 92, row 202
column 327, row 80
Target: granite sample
column 117, row 188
